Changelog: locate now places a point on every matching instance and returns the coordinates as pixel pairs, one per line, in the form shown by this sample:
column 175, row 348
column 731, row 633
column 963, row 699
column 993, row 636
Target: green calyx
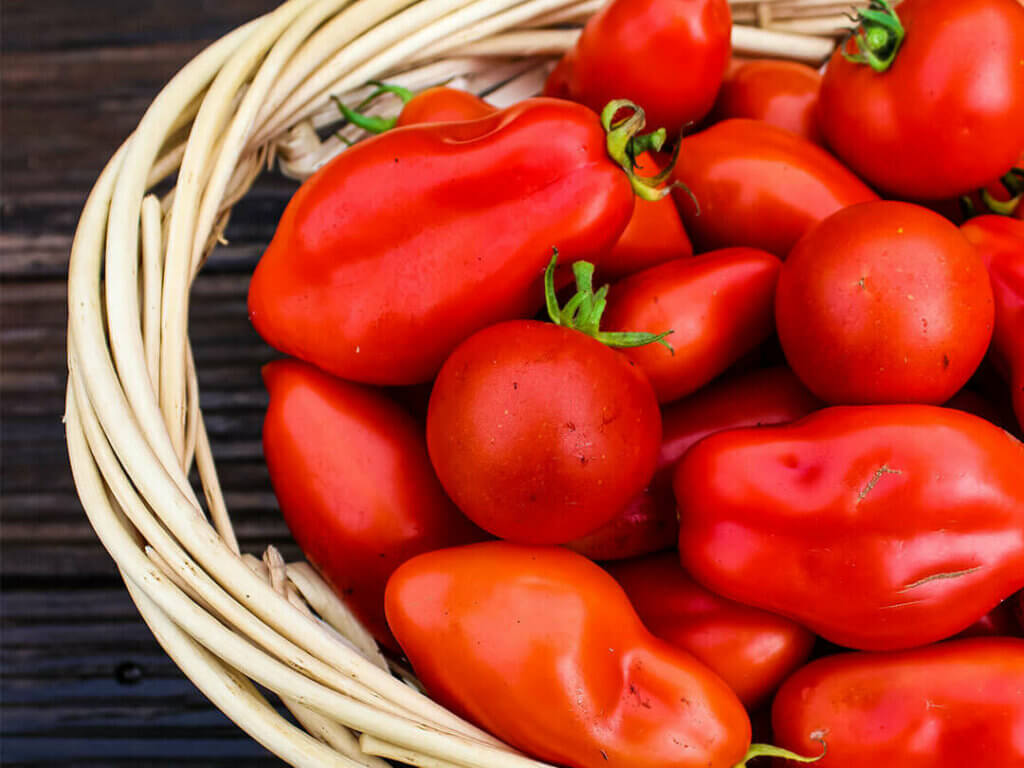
column 767, row 750
column 374, row 124
column 583, row 311
column 625, row 144
column 879, row 36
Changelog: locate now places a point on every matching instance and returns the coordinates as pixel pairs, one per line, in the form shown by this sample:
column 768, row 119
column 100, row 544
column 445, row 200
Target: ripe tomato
column 781, row 93
column 946, row 706
column 350, row 470
column 759, row 186
column 666, row 55
column 884, row 302
column 718, row 304
column 752, row 650
column 443, row 105
column 947, row 116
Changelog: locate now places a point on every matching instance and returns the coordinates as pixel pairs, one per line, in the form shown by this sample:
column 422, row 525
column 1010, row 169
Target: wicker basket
column 134, row 426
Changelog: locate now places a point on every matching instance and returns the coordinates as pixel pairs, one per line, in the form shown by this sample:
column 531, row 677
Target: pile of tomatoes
column 610, row 498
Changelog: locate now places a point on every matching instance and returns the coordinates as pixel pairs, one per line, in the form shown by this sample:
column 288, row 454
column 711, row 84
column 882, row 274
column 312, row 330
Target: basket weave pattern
column 134, row 426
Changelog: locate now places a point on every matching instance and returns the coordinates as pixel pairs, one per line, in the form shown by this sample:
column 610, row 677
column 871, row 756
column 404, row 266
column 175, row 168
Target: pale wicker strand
column 375, row 746
column 192, row 414
column 152, row 281
column 211, row 489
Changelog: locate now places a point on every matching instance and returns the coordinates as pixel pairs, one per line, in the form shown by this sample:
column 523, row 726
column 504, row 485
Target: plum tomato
column 781, row 93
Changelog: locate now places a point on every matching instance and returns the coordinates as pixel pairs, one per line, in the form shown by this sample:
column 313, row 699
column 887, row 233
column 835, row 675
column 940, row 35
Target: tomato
column 443, row 105
column 759, row 186
column 877, row 527
column 884, row 302
column 407, row 243
column 752, row 650
column 541, row 647
column 719, row 306
column 355, row 485
column 946, row 116
column 946, row 706
column 648, row 522
column 782, row 93
column 1000, row 242
column 667, row 55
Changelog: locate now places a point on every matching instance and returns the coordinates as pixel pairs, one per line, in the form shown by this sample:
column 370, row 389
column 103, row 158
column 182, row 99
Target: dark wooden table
column 84, row 682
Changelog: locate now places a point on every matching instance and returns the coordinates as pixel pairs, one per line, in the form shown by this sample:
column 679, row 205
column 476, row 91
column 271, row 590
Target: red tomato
column 947, row 116
column 917, row 512
column 782, row 93
column 884, row 302
column 946, row 706
column 666, row 55
column 752, row 650
column 759, row 186
column 541, row 647
column 443, row 105
column 409, row 242
column 719, row 306
column 648, row 523
column 1000, row 242
column 541, row 433
column 351, row 473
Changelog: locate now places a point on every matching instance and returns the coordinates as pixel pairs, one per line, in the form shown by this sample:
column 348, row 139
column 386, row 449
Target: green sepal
column 879, row 36
column 767, row 750
column 374, row 124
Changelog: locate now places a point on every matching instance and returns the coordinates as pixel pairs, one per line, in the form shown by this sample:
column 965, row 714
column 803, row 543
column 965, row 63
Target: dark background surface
column 83, row 681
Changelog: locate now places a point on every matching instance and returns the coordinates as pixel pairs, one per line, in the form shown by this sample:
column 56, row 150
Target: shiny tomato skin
column 781, row 93
column 442, row 104
column 759, row 186
column 351, row 473
column 884, row 302
column 648, row 523
column 540, row 433
column 1000, row 242
column 913, row 514
column 949, row 705
column 752, row 650
column 668, row 56
column 542, row 648
column 719, row 306
column 948, row 115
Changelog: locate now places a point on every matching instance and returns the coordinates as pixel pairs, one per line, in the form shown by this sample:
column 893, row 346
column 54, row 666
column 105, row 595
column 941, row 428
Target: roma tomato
column 945, row 115
column 884, row 302
column 541, row 647
column 443, row 105
column 667, row 55
column 407, row 243
column 648, row 523
column 1000, row 242
column 351, row 473
column 719, row 305
column 877, row 527
column 759, row 186
column 752, row 650
column 782, row 93
column 946, row 706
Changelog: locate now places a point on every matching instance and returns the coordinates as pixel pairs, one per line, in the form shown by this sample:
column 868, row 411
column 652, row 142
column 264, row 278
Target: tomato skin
column 668, row 56
column 648, row 523
column 918, row 518
column 442, row 104
column 945, row 706
column 540, row 433
column 884, row 302
column 999, row 241
column 719, row 306
column 781, row 93
column 759, row 186
column 948, row 115
column 752, row 650
column 351, row 473
column 483, row 200
column 541, row 647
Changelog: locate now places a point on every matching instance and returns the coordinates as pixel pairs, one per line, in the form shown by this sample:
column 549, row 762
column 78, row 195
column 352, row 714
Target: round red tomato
column 541, row 433
column 884, row 302
column 666, row 55
column 947, row 116
column 782, row 93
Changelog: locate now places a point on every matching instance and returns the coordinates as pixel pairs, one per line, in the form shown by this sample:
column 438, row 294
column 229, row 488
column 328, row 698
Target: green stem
column 1001, row 207
column 374, row 124
column 879, row 36
column 767, row 750
column 583, row 311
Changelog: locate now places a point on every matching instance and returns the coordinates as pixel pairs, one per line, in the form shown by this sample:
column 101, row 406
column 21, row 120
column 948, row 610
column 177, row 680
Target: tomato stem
column 374, row 124
column 1001, row 207
column 767, row 750
column 584, row 310
column 879, row 36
